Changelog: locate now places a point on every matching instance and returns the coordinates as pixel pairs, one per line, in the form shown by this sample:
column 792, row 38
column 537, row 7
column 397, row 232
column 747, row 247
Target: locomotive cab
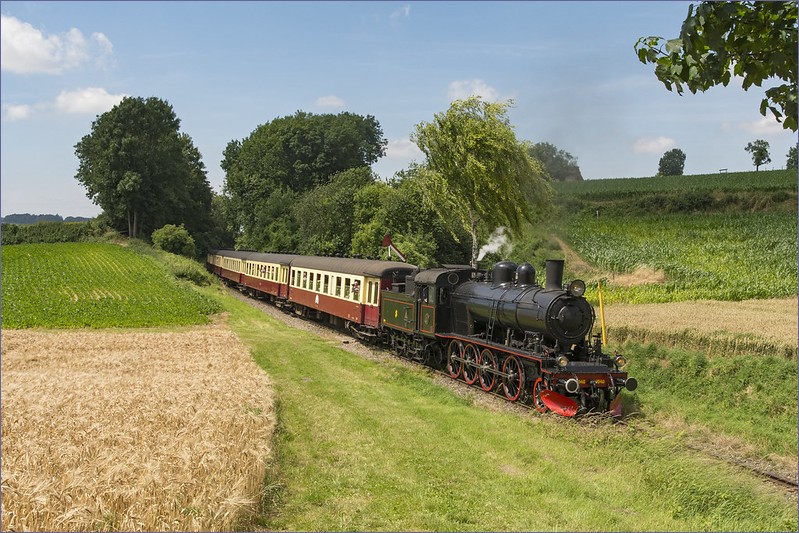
column 424, row 306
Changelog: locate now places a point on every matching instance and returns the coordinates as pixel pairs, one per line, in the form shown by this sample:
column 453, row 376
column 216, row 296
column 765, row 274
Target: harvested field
column 132, row 431
column 759, row 326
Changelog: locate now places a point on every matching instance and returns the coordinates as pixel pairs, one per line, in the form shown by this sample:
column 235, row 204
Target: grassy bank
column 365, row 445
column 751, row 398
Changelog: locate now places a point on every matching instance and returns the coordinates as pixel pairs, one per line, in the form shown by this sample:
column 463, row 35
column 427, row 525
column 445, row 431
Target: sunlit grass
column 364, row 445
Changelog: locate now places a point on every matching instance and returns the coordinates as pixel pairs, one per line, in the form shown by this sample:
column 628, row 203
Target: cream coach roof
column 358, row 267
column 342, row 265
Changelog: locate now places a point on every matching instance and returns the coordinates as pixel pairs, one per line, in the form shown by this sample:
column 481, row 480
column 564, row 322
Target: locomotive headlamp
column 576, row 288
column 620, row 361
column 562, row 361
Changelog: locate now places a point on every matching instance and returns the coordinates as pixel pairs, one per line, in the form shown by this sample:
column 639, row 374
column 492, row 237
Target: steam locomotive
column 496, row 329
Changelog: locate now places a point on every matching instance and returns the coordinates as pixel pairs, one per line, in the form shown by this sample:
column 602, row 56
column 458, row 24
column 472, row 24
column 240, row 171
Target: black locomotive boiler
column 504, row 332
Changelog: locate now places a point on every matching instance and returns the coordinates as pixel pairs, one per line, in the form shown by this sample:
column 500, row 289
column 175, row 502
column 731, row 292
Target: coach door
column 371, row 299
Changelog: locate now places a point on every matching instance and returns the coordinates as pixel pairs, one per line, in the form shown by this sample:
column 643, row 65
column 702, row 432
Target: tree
column 759, row 151
column 559, row 164
column 290, row 156
column 142, row 171
column 478, row 175
column 325, row 215
column 175, row 240
column 791, row 161
column 398, row 207
column 753, row 40
column 672, row 163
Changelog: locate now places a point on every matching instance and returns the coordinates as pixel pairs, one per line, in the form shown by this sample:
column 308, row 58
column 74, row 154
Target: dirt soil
column 641, row 276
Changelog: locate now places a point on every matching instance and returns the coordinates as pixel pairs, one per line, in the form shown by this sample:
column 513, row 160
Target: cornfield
column 771, row 180
column 721, row 256
column 139, row 431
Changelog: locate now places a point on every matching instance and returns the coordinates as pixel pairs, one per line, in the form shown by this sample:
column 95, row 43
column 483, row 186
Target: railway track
column 498, row 400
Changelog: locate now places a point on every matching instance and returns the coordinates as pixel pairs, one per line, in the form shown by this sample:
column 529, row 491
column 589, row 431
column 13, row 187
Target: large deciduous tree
column 325, row 214
column 284, row 159
column 672, row 163
column 759, row 150
column 142, row 170
column 559, row 164
column 479, row 175
column 753, row 40
column 398, row 207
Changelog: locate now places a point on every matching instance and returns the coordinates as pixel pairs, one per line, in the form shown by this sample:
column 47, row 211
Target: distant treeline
column 27, row 218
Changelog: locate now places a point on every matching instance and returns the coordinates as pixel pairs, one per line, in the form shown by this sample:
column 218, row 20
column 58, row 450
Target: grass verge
column 751, row 398
column 379, row 446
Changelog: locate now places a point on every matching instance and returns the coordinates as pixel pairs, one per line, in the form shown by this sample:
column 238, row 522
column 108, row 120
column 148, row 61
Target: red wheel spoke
column 470, row 357
column 513, row 378
column 487, row 369
column 455, row 359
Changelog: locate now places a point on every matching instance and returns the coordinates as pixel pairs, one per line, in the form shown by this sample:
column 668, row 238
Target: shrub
column 174, row 239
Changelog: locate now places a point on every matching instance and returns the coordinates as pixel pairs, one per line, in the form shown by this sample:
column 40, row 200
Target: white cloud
column 764, row 126
column 402, row 13
column 460, row 89
column 16, row 112
column 403, row 149
column 105, row 55
column 91, row 100
column 653, row 145
column 330, row 101
column 27, row 50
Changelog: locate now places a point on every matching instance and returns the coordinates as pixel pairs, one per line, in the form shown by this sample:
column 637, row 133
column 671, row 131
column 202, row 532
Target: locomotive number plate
column 600, row 382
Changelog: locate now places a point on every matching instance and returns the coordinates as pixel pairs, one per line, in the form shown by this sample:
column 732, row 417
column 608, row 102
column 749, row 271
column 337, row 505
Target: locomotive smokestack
column 554, row 274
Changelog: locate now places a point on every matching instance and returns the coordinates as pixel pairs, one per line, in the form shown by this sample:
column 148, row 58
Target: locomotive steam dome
column 503, row 273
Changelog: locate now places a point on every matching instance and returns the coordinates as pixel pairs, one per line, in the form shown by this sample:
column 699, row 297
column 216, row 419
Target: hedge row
column 48, row 232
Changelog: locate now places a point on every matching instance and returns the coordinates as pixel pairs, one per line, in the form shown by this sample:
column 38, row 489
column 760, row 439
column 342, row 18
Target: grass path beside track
column 365, row 445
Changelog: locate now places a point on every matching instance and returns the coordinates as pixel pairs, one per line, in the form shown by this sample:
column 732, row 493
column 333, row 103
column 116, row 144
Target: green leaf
column 673, row 46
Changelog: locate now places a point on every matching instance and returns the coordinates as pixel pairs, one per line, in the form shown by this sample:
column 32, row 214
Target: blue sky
column 227, row 67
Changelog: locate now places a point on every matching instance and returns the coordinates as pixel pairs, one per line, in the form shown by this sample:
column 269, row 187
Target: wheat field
column 757, row 326
column 132, row 431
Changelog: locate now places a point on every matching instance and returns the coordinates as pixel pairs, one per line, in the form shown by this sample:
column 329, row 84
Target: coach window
column 338, row 286
column 318, row 282
column 356, row 289
column 368, row 292
column 347, row 288
column 377, row 292
column 326, row 287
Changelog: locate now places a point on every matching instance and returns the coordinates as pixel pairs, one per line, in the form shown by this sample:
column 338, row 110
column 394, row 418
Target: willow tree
column 478, row 175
